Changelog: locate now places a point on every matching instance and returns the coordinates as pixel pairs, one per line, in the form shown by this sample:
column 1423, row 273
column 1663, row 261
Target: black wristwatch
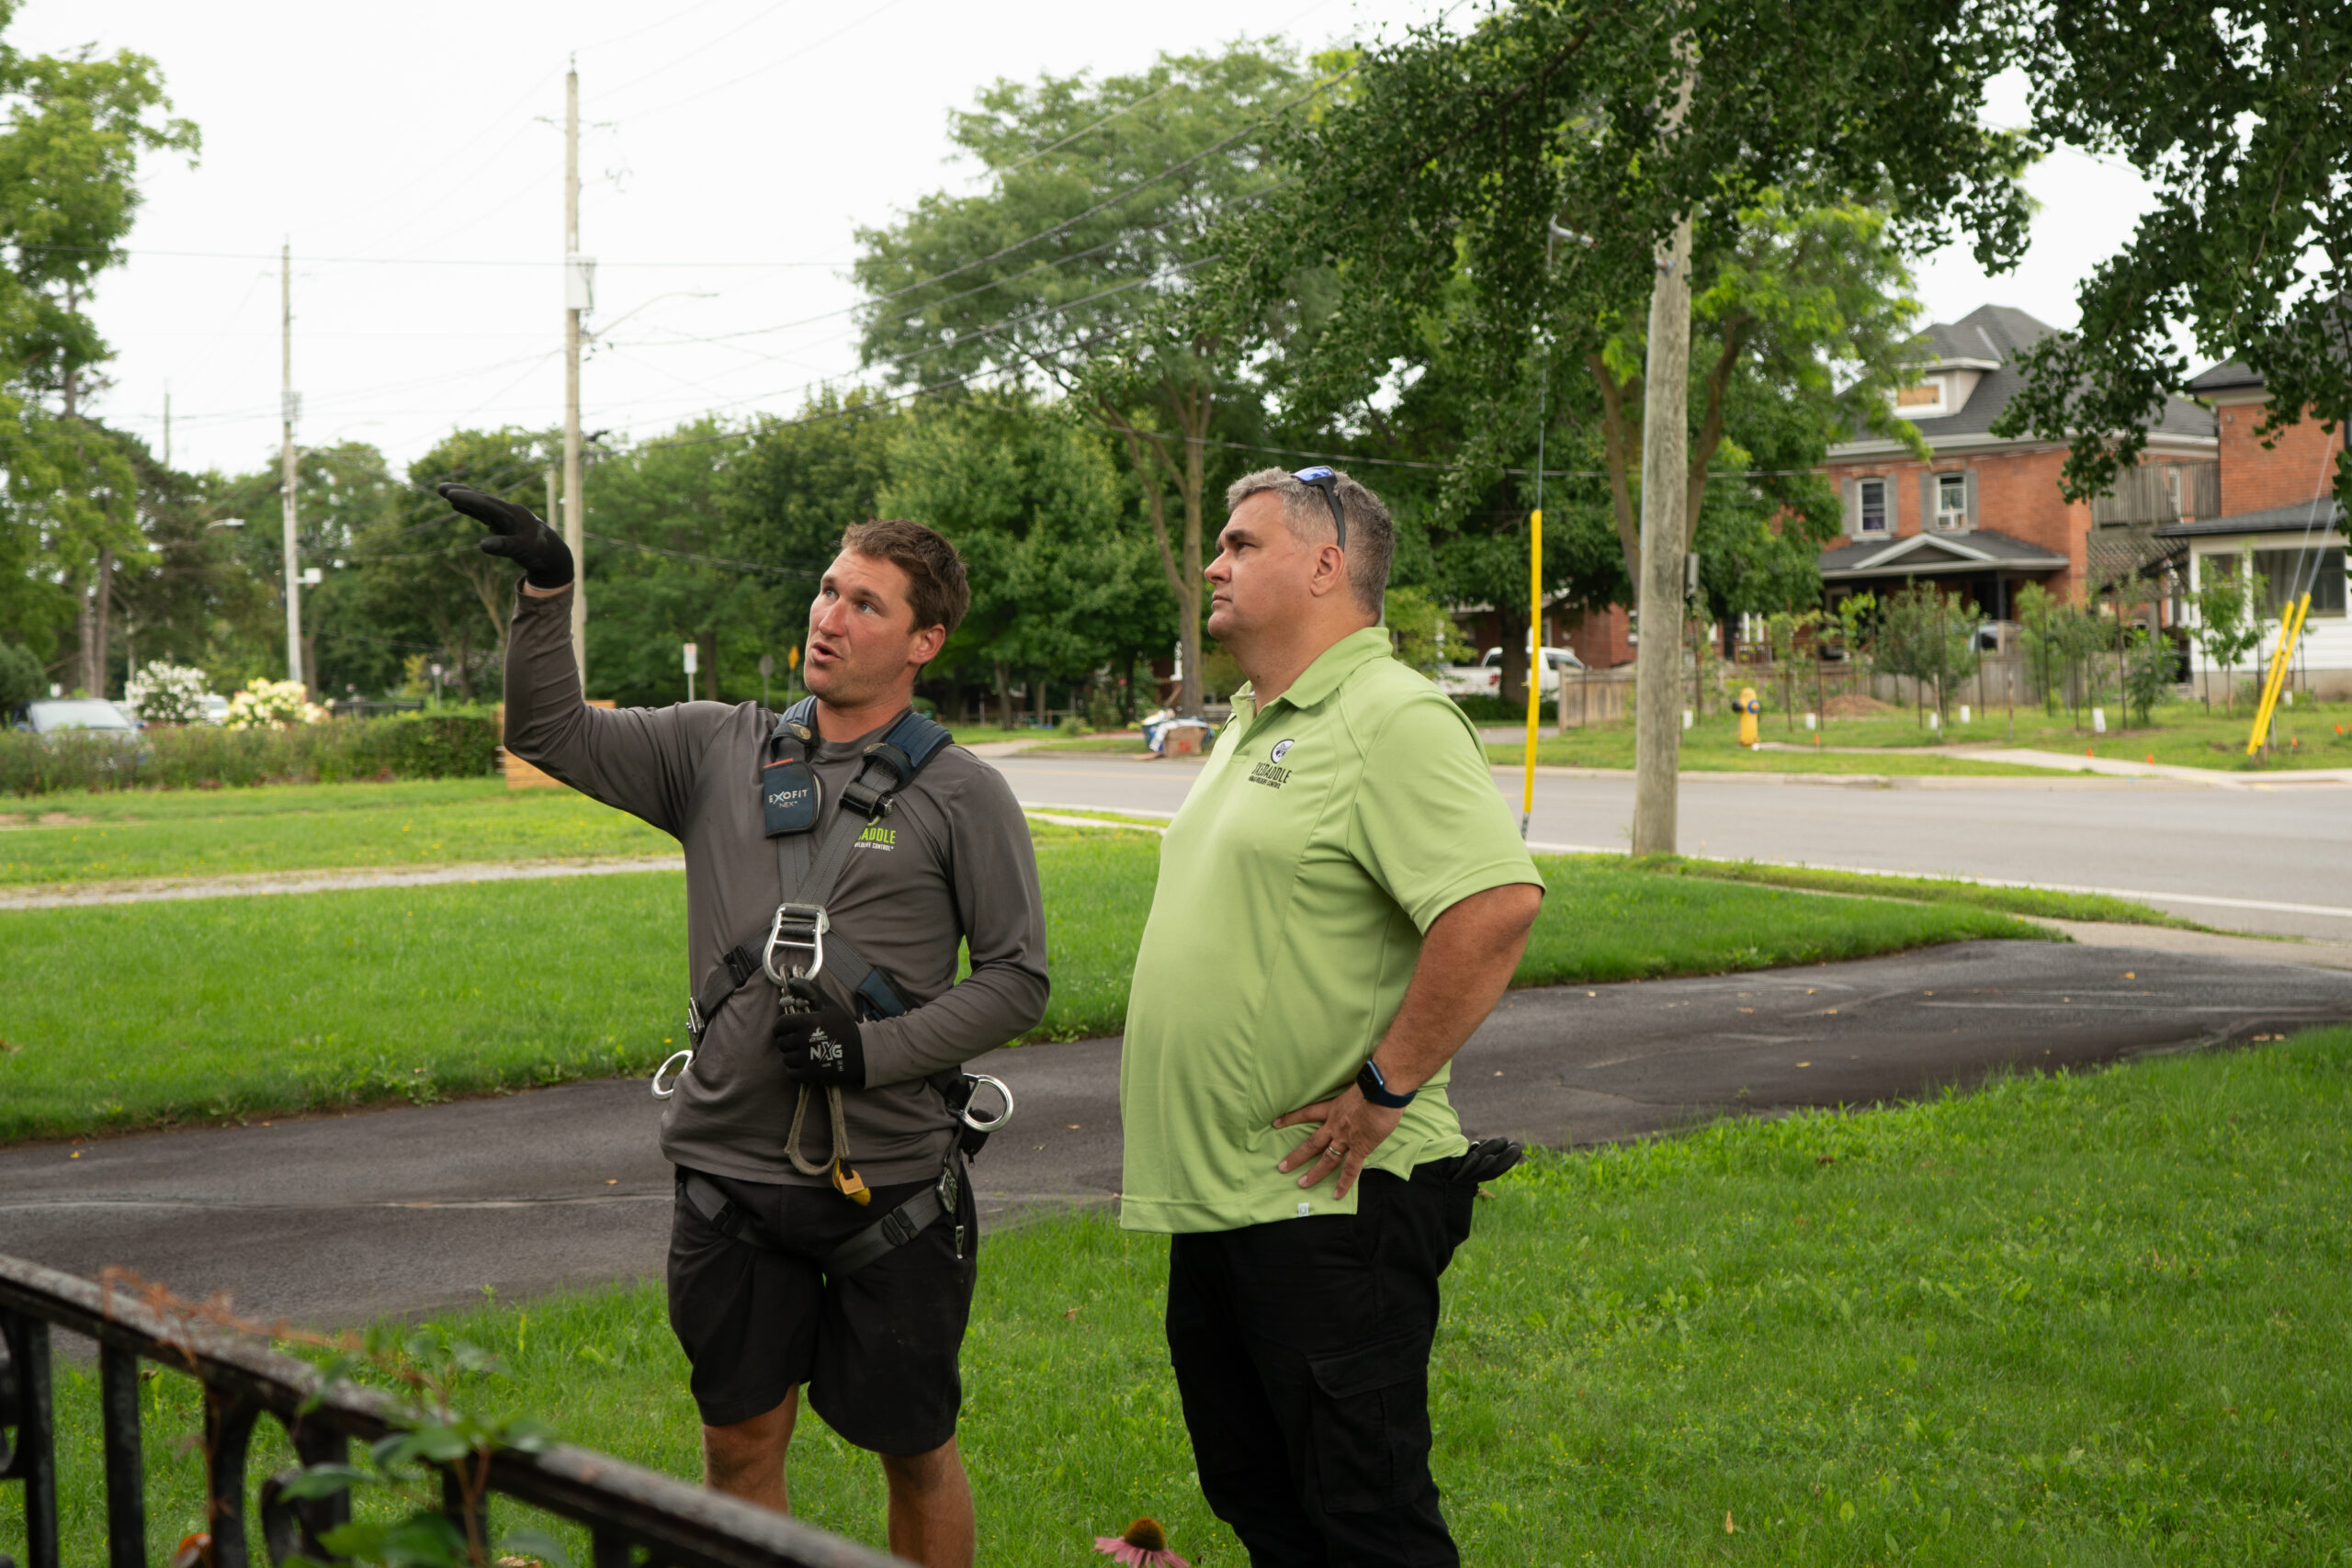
column 1375, row 1089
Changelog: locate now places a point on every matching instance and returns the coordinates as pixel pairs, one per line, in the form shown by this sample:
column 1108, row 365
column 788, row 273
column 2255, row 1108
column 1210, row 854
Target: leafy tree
column 2240, row 118
column 22, row 679
column 2038, row 615
column 1064, row 578
column 74, row 130
column 1434, row 190
column 1926, row 635
column 1101, row 197
column 2151, row 667
column 1414, row 622
column 2230, row 618
column 196, row 597
column 420, row 584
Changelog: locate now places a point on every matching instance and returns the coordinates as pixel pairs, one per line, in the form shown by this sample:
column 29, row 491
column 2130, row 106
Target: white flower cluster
column 272, row 705
column 166, row 693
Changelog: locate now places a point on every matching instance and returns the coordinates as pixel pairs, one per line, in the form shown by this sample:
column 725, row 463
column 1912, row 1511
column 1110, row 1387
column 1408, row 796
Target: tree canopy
column 2240, row 117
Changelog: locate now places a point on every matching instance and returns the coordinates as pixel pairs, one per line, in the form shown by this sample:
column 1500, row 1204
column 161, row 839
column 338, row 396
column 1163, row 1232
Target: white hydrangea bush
column 273, row 704
column 166, row 693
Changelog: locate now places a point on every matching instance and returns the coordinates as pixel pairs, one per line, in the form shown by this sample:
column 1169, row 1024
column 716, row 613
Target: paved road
column 2225, row 857
column 333, row 1220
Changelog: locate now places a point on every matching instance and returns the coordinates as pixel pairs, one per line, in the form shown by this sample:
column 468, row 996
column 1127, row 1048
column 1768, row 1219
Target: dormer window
column 1923, row 399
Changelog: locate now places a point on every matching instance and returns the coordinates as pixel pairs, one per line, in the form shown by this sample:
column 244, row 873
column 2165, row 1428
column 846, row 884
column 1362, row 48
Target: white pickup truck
column 1485, row 677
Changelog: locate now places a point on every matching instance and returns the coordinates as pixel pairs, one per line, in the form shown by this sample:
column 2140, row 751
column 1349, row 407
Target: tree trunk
column 1003, row 695
column 1657, row 678
column 1180, row 560
column 1037, row 697
column 1616, row 448
column 101, row 605
column 1513, row 689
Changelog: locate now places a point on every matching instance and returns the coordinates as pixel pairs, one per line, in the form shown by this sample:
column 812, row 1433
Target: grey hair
column 1372, row 534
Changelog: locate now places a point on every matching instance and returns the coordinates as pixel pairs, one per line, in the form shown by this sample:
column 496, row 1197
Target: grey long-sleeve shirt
column 950, row 865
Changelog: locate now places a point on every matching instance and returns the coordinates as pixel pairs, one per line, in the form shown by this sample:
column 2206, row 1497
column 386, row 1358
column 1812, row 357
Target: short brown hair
column 937, row 590
column 1372, row 535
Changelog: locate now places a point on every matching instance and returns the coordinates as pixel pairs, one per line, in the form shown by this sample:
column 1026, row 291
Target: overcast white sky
column 413, row 154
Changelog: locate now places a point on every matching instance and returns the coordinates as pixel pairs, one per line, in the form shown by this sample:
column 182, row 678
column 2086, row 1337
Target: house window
column 1873, row 495
column 1952, row 502
column 2287, row 575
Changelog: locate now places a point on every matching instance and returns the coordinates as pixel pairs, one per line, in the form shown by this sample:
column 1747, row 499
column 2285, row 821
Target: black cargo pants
column 1302, row 1353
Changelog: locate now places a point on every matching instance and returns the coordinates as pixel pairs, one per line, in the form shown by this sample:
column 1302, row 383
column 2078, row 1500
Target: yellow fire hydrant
column 1749, row 710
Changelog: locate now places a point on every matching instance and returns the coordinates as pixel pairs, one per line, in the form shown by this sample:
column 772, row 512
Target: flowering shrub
column 272, row 705
column 166, row 693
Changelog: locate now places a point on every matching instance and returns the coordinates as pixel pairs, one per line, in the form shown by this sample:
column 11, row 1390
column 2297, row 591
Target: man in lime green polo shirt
column 1341, row 901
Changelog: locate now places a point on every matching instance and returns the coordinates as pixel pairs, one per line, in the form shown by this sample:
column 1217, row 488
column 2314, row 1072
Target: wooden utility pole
column 578, row 296
column 289, row 404
column 1665, row 466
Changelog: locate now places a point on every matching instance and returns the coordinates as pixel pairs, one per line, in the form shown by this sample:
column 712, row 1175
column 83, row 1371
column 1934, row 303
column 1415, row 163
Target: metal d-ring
column 1002, row 1116
column 681, row 1060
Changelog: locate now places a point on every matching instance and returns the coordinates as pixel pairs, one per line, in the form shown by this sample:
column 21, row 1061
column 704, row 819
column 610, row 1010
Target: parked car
column 1555, row 660
column 216, row 707
column 51, row 715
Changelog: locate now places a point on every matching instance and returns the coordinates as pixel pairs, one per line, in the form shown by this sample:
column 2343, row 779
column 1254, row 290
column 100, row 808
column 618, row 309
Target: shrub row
column 433, row 745
column 1485, row 709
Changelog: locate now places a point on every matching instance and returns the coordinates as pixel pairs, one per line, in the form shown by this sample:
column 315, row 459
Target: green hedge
column 432, row 745
column 1485, row 709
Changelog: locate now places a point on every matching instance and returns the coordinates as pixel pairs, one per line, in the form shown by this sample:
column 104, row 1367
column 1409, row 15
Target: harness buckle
column 696, row 1023
column 798, row 927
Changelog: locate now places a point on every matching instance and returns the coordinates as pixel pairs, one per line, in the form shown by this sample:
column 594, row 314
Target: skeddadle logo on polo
column 1271, row 772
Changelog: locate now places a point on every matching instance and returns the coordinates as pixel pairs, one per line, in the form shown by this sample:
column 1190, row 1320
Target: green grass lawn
column 130, row 1015
column 2183, row 734
column 90, row 838
column 2092, row 1319
column 2034, row 903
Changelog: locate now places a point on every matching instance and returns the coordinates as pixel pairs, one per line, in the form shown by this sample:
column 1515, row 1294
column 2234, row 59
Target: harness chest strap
column 890, row 766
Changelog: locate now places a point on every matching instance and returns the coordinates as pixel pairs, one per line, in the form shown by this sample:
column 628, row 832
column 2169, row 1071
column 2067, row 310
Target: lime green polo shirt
column 1322, row 838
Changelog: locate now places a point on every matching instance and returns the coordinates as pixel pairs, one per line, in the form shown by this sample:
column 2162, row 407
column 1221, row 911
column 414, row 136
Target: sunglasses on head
column 1328, row 481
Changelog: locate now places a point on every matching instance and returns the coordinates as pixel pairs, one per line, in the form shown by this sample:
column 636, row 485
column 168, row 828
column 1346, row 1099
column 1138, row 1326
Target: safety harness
column 800, row 943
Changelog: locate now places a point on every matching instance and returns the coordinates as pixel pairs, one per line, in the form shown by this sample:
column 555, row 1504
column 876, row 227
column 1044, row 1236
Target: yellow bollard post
column 1749, row 708
column 1534, row 661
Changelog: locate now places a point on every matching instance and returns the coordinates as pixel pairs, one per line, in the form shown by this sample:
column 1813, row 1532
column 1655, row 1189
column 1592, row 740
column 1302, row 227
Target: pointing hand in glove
column 822, row 1047
column 516, row 533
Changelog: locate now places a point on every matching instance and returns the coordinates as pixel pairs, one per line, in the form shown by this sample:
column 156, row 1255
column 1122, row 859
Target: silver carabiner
column 681, row 1060
column 1001, row 1117
column 813, row 916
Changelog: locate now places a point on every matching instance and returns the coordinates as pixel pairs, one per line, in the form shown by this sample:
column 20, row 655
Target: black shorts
column 878, row 1349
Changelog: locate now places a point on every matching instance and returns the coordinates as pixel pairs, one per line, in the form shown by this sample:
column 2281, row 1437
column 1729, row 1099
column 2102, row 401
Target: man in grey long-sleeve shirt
column 949, row 866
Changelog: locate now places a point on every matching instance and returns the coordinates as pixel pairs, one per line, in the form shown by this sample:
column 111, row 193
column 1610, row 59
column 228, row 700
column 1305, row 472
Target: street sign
column 691, row 660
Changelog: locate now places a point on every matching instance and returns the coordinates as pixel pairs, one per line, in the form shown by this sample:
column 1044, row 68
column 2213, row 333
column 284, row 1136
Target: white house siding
column 2323, row 653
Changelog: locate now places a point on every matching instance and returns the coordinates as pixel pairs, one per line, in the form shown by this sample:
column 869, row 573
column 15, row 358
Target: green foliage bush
column 1484, row 708
column 21, row 677
column 437, row 744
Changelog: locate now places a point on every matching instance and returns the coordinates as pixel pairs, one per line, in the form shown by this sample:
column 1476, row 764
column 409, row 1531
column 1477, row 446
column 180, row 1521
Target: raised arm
column 640, row 760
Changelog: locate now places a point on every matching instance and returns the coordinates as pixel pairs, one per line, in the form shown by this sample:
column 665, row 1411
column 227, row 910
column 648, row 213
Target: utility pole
column 1665, row 468
column 290, row 403
column 577, row 297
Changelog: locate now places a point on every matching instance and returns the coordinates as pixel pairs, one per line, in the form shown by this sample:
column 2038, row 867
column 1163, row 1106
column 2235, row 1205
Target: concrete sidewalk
column 333, row 1220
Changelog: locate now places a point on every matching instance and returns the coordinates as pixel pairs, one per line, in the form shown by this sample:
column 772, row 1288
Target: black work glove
column 516, row 533
column 822, row 1047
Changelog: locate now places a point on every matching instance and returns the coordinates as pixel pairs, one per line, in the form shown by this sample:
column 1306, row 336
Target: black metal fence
column 635, row 1518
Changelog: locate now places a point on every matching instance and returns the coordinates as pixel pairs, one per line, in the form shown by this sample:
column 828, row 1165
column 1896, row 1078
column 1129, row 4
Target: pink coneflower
column 1144, row 1545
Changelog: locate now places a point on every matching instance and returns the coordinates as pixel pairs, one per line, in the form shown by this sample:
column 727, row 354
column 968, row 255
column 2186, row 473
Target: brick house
column 1983, row 515
column 2277, row 510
